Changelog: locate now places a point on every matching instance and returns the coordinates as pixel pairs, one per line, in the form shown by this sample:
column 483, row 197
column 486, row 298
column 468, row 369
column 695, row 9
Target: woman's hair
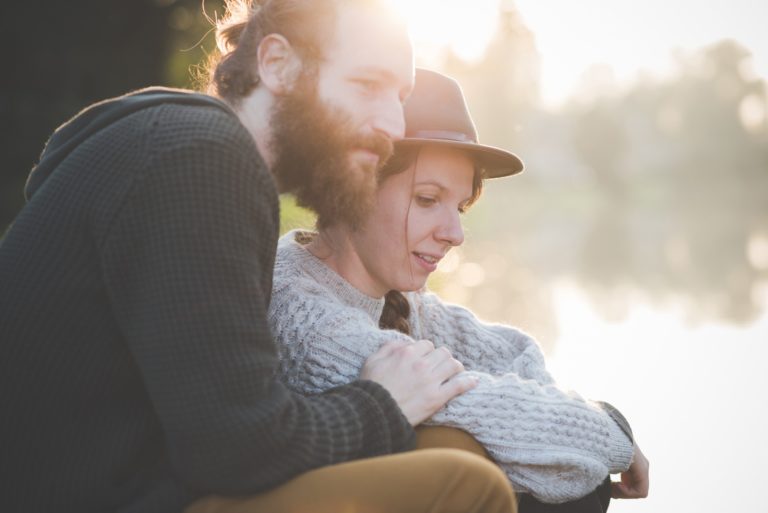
column 232, row 72
column 396, row 308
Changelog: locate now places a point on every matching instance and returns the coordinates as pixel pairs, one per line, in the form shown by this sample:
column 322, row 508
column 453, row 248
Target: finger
column 625, row 491
column 447, row 369
column 641, row 488
column 423, row 347
column 437, row 357
column 618, row 490
column 457, row 386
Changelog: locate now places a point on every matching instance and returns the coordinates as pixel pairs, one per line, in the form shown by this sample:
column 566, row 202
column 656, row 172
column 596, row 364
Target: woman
column 341, row 293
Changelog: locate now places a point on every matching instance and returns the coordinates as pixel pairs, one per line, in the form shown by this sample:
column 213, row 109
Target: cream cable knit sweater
column 551, row 443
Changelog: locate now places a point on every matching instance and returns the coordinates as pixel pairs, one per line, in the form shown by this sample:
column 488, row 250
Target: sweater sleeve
column 188, row 263
column 551, row 442
column 492, row 348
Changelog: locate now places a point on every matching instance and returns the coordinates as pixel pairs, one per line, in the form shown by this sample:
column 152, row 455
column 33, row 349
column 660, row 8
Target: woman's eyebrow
column 432, row 182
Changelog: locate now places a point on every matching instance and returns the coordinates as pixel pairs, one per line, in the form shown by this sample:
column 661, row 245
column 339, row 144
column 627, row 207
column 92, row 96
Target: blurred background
column 635, row 245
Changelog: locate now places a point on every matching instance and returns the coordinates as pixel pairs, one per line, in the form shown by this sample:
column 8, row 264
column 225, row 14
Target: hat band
column 442, row 134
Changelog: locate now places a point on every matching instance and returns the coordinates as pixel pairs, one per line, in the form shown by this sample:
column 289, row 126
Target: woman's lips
column 427, row 262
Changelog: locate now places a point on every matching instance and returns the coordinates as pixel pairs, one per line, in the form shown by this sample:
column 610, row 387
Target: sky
column 632, row 37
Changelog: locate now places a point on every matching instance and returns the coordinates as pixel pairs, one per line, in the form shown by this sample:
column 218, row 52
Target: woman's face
column 415, row 222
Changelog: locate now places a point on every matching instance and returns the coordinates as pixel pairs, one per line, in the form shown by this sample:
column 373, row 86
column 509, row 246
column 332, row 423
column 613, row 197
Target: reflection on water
column 696, row 393
column 656, row 307
column 697, row 398
column 660, row 189
column 662, row 311
column 635, row 249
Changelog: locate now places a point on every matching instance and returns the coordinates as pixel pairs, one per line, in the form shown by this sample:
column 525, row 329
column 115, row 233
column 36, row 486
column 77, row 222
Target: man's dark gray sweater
column 136, row 365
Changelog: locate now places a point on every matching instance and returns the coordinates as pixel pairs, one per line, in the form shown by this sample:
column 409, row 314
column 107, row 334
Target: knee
column 474, row 483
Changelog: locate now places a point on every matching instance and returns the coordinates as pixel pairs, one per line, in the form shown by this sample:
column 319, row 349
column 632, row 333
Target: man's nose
column 389, row 118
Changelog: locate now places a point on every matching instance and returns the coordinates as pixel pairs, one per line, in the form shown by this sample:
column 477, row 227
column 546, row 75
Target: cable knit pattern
column 551, row 443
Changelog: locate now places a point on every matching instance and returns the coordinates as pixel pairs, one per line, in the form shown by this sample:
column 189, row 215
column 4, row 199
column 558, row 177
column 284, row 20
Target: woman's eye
column 425, row 201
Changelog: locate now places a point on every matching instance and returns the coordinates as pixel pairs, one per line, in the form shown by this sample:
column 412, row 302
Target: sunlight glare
column 680, row 387
column 471, row 274
column 752, row 112
column 450, row 262
column 639, row 40
column 439, row 24
column 757, row 251
column 589, row 341
column 572, row 37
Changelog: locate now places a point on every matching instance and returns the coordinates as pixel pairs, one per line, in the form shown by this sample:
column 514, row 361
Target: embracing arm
column 188, row 262
column 327, row 335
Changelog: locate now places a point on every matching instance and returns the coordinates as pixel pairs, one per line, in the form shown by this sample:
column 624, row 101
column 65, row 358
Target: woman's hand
column 634, row 482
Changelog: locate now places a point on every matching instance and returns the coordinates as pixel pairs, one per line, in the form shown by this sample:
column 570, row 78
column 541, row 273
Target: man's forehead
column 365, row 40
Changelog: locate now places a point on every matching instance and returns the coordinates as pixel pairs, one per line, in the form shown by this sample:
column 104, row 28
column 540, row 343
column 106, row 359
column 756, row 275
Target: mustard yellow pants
column 448, row 473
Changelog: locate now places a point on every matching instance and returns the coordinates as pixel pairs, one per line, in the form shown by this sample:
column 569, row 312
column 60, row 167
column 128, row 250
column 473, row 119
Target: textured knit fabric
column 137, row 369
column 551, row 443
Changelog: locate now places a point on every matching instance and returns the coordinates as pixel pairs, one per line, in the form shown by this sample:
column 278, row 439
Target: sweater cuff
column 620, row 419
column 387, row 430
column 620, row 446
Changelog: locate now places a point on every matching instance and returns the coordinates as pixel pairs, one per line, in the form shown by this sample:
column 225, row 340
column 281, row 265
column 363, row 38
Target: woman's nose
column 450, row 230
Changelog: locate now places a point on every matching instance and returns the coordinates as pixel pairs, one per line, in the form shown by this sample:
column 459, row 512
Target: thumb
column 619, row 490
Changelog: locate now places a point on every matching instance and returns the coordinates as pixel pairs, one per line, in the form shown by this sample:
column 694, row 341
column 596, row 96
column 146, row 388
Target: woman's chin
column 412, row 286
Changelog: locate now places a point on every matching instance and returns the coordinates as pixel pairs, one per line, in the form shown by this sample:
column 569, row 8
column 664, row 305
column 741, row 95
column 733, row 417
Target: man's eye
column 368, row 85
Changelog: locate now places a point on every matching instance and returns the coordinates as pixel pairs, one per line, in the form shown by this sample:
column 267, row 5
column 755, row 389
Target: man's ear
column 279, row 64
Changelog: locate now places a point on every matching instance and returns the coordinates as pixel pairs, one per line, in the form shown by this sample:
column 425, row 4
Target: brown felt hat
column 436, row 113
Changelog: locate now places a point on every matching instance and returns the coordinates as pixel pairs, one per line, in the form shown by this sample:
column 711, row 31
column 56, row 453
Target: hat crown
column 437, row 114
column 437, row 110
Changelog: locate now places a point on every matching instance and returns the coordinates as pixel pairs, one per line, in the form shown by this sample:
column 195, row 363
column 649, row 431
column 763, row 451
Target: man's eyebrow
column 375, row 70
column 382, row 74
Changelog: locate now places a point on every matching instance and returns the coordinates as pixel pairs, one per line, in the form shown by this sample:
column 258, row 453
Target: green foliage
column 293, row 216
column 192, row 40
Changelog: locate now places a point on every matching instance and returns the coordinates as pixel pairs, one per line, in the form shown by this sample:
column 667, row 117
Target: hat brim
column 495, row 162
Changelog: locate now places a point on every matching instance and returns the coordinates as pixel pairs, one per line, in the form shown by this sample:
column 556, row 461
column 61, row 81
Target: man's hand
column 634, row 482
column 419, row 377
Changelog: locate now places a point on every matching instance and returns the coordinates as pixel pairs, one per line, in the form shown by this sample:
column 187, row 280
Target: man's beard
column 311, row 143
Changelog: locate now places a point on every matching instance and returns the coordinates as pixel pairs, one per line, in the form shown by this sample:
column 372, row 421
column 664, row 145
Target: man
column 137, row 369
